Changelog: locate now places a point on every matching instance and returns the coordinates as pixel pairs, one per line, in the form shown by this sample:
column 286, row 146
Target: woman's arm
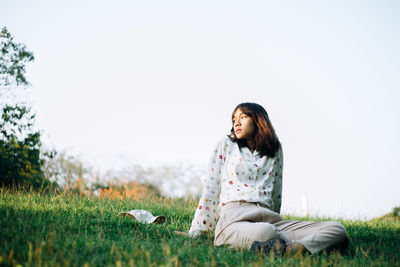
column 277, row 189
column 205, row 217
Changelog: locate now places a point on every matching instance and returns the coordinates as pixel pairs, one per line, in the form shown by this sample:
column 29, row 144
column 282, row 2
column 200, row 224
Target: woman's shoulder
column 224, row 141
column 279, row 152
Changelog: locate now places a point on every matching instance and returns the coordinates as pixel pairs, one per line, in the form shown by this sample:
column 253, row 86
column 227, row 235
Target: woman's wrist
column 194, row 233
column 197, row 233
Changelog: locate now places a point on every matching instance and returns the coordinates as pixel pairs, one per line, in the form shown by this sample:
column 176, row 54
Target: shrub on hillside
column 20, row 158
column 131, row 190
column 68, row 171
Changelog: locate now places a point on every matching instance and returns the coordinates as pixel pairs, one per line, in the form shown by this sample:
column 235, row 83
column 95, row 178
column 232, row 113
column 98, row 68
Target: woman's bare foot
column 295, row 249
column 273, row 245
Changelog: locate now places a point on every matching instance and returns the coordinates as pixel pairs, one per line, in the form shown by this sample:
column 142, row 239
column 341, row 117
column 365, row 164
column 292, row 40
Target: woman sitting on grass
column 243, row 188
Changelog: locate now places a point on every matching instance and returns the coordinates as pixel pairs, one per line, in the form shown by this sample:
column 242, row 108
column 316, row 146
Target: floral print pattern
column 236, row 174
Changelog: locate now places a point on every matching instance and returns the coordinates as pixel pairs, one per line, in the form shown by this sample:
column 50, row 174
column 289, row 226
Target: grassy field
column 71, row 230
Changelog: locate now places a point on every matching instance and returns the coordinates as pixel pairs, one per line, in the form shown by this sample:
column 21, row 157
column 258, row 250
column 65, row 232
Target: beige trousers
column 242, row 223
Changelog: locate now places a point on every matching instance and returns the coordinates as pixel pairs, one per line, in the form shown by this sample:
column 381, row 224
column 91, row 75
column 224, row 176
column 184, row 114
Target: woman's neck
column 251, row 144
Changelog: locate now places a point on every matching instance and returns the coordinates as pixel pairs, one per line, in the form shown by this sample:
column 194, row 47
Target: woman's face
column 243, row 125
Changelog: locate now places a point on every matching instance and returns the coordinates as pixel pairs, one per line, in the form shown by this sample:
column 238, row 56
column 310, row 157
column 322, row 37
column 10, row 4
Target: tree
column 13, row 57
column 66, row 170
column 20, row 158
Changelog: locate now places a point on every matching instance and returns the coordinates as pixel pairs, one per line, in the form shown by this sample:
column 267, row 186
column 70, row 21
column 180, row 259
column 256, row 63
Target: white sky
column 156, row 82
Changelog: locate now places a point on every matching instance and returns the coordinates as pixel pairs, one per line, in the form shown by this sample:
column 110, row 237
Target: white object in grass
column 143, row 216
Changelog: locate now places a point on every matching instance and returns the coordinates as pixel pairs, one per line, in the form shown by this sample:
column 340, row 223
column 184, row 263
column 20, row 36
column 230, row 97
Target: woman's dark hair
column 266, row 140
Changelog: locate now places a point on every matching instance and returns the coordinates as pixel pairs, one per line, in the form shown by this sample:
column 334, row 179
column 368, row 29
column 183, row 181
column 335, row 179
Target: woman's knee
column 263, row 232
column 335, row 236
column 338, row 229
column 338, row 235
column 243, row 234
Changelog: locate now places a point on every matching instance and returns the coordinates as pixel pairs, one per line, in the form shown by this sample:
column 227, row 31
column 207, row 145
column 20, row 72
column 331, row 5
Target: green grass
column 70, row 230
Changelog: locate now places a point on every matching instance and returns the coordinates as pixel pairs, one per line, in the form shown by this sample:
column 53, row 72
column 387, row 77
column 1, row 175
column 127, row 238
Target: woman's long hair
column 266, row 140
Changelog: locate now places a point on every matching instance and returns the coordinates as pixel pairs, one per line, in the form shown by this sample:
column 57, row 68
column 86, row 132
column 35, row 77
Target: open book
column 143, row 216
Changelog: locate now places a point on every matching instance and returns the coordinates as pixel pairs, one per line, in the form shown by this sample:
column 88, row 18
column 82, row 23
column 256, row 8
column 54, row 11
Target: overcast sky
column 156, row 81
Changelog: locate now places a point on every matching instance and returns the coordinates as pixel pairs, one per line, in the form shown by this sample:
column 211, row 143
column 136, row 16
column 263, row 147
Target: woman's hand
column 193, row 236
column 181, row 233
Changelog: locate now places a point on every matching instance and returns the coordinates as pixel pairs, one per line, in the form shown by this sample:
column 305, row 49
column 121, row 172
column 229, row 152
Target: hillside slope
column 66, row 230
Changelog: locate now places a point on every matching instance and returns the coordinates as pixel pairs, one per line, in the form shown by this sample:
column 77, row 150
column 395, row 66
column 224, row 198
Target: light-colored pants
column 242, row 223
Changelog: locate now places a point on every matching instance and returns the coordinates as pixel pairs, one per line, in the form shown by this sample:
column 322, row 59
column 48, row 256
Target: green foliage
column 393, row 216
column 13, row 57
column 65, row 169
column 396, row 212
column 20, row 159
column 74, row 230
